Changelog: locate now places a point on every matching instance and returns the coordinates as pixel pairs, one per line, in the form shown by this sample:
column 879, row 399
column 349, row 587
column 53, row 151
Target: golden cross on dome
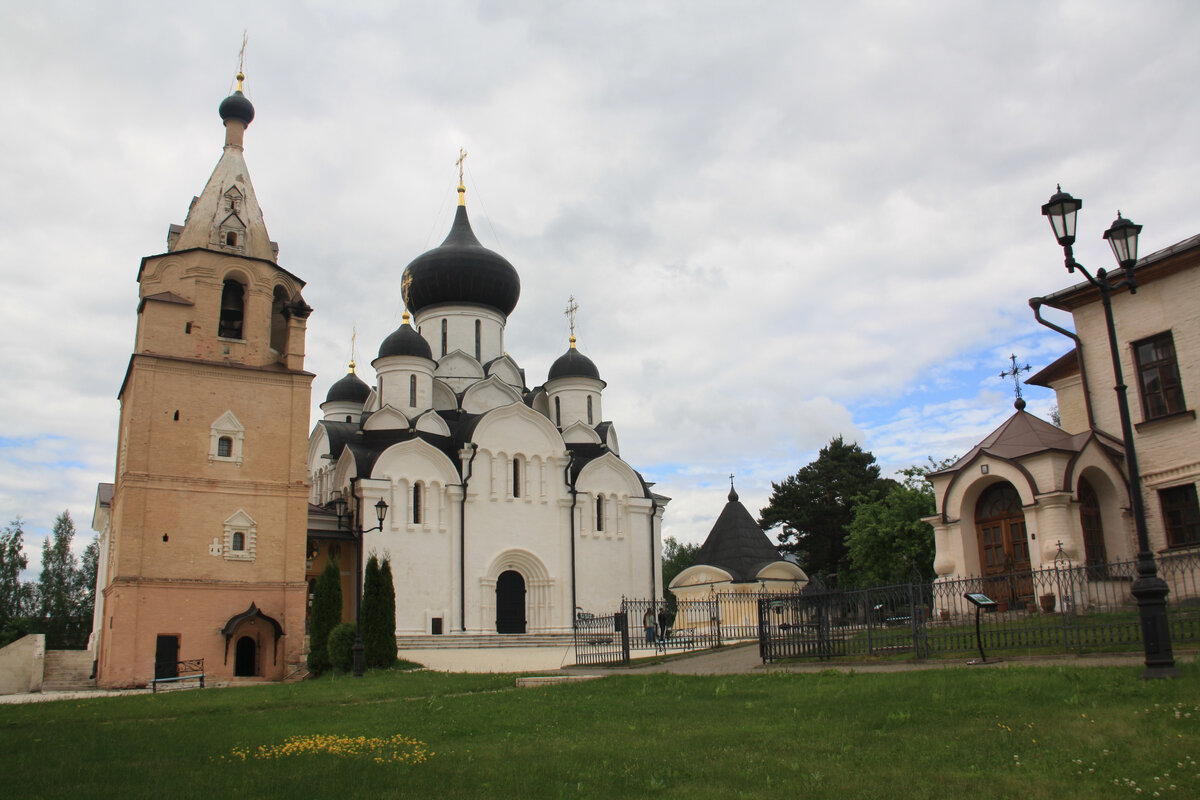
column 462, row 156
column 242, row 60
column 353, row 341
column 572, row 307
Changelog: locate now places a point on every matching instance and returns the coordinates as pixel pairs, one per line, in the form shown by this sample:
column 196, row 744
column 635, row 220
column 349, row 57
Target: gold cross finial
column 462, row 188
column 241, row 76
column 572, row 307
column 353, row 341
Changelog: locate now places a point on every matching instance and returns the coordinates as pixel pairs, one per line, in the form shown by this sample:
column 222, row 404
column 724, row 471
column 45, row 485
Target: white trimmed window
column 225, row 439
column 240, row 542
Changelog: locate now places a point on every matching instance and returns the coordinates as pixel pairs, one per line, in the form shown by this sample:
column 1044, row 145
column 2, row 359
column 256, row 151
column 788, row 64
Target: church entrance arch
column 1003, row 545
column 245, row 658
column 510, row 602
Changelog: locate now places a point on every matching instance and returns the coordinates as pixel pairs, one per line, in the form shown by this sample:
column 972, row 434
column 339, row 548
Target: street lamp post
column 356, row 528
column 1148, row 589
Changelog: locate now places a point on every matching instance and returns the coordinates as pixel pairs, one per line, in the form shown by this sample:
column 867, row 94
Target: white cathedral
column 510, row 509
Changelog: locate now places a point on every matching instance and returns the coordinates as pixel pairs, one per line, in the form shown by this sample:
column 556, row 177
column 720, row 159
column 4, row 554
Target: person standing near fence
column 648, row 624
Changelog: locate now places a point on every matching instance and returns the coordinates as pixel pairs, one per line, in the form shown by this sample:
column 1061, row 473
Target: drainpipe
column 653, row 515
column 1036, row 304
column 462, row 540
column 574, row 500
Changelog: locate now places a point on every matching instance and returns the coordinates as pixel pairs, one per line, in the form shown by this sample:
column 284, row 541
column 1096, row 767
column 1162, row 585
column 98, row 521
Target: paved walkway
column 745, row 659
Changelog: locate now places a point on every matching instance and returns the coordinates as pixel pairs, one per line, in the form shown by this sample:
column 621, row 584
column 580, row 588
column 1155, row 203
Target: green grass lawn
column 1028, row 732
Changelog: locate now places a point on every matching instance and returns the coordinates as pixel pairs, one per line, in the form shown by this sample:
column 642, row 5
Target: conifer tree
column 326, row 614
column 372, row 620
column 385, row 642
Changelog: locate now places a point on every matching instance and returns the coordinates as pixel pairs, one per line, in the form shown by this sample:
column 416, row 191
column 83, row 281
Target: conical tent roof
column 736, row 544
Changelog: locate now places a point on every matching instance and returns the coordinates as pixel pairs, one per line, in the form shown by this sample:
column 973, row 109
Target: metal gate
column 601, row 640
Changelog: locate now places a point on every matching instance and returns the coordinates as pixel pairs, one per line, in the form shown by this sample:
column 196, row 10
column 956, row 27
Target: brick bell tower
column 203, row 539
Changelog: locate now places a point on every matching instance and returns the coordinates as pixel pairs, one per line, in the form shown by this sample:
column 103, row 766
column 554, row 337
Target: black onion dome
column 236, row 106
column 351, row 389
column 461, row 271
column 404, row 341
column 573, row 364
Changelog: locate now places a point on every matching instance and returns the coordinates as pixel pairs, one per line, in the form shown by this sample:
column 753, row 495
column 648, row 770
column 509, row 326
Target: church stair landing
column 68, row 671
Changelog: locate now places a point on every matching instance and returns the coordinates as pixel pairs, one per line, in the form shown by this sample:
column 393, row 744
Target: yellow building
column 203, row 533
column 1030, row 487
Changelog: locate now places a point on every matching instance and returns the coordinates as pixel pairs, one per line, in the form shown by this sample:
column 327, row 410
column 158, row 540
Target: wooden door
column 1003, row 545
column 166, row 657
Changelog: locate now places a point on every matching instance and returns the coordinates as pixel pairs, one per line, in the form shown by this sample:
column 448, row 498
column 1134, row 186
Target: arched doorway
column 510, row 602
column 1093, row 530
column 1003, row 545
column 245, row 658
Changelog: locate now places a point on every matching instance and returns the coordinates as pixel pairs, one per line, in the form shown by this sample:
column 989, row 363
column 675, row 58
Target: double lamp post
column 1149, row 590
column 381, row 509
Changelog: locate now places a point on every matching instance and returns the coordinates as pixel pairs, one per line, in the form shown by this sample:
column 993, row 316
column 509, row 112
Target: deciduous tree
column 15, row 595
column 676, row 557
column 887, row 537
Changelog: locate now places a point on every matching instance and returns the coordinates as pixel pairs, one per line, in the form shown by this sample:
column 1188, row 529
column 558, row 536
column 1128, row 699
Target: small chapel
column 505, row 509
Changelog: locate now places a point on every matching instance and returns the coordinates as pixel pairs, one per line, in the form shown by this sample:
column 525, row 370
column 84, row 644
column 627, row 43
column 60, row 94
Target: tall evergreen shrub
column 383, row 653
column 326, row 613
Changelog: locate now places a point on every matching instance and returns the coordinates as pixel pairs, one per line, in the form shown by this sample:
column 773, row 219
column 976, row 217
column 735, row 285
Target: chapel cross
column 572, row 307
column 1015, row 372
column 462, row 156
column 241, row 75
column 353, row 342
column 731, row 480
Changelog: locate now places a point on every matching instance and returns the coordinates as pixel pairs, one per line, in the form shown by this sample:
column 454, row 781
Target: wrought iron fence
column 1063, row 607
column 601, row 640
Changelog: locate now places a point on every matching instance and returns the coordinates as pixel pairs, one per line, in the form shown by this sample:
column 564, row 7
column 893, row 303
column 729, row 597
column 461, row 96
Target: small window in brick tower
column 225, row 447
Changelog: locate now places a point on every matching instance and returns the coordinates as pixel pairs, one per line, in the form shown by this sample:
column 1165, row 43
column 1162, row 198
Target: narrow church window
column 478, row 341
column 231, row 239
column 589, row 409
column 558, row 411
column 278, row 320
column 600, row 512
column 233, row 300
column 445, row 337
column 416, row 504
column 412, row 390
column 516, row 476
column 239, row 540
column 187, row 328
column 225, row 447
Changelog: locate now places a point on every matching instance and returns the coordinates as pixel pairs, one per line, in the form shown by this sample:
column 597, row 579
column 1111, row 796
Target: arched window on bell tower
column 478, row 341
column 445, row 337
column 600, row 512
column 412, row 391
column 279, row 320
column 233, row 306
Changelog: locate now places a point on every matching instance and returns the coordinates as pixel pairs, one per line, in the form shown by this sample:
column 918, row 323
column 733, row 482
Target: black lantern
column 1122, row 236
column 339, row 505
column 1062, row 210
column 381, row 511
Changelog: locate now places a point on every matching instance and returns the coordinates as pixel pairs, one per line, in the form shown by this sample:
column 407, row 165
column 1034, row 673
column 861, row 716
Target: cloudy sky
column 783, row 221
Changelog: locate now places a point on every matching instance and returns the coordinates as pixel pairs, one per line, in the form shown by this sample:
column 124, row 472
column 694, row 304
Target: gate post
column 621, row 623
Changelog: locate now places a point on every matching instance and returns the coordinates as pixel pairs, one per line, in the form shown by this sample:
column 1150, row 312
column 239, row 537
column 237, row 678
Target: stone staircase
column 68, row 671
column 479, row 641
